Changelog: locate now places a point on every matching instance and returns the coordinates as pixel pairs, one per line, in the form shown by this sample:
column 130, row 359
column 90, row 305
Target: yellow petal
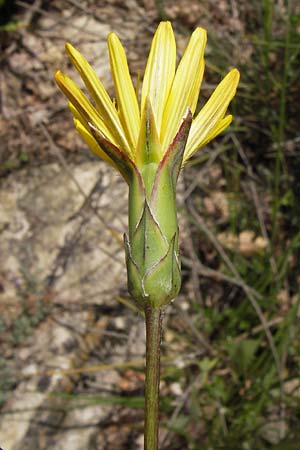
column 212, row 112
column 125, row 93
column 91, row 142
column 185, row 88
column 98, row 93
column 81, row 103
column 160, row 71
column 218, row 129
column 77, row 114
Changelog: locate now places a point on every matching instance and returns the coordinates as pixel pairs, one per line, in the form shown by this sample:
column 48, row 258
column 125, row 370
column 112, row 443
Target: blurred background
column 72, row 343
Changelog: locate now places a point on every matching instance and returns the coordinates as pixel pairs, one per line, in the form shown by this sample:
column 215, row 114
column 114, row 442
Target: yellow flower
column 148, row 142
column 170, row 92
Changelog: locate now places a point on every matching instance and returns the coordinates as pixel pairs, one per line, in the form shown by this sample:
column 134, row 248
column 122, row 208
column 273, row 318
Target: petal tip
column 165, row 24
column 68, row 46
column 58, row 76
column 235, row 74
column 200, row 33
column 71, row 51
column 112, row 38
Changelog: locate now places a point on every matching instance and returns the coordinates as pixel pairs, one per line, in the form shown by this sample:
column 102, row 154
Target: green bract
column 152, row 255
column 152, row 246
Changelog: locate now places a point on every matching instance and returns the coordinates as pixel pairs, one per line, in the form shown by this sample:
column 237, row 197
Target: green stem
column 153, row 317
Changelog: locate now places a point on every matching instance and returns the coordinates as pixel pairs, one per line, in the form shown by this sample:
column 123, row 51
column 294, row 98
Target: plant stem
column 153, row 317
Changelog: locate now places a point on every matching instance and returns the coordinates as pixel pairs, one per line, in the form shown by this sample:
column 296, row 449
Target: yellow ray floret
column 211, row 114
column 125, row 92
column 169, row 93
column 81, row 103
column 160, row 71
column 103, row 102
column 82, row 127
column 77, row 115
column 91, row 142
column 185, row 88
column 219, row 128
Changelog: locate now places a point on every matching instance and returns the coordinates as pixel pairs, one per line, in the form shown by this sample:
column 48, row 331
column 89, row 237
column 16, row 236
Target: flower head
column 148, row 142
column 168, row 91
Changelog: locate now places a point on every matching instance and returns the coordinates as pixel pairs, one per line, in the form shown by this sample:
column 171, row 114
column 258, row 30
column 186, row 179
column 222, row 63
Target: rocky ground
column 71, row 362
column 68, row 342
